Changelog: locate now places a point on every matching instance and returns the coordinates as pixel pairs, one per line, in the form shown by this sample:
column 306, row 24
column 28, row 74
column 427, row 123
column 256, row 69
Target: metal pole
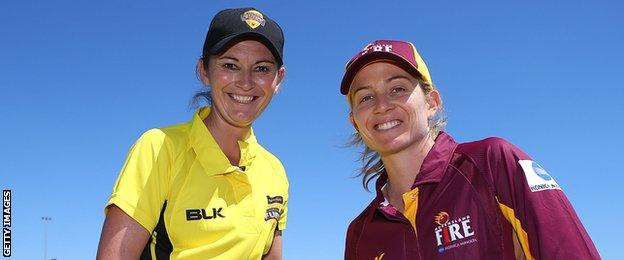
column 45, row 236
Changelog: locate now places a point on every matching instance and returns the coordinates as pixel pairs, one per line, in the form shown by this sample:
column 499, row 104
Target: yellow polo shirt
column 177, row 183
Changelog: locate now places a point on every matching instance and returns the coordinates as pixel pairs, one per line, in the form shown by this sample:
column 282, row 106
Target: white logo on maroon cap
column 376, row 47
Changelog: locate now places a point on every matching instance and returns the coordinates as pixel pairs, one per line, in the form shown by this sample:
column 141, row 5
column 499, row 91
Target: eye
column 366, row 98
column 398, row 89
column 263, row 69
column 230, row 66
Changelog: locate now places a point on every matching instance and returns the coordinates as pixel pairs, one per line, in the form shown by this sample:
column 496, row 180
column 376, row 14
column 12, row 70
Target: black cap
column 232, row 25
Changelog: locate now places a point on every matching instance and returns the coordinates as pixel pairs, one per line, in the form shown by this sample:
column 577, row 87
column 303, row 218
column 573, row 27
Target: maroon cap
column 402, row 52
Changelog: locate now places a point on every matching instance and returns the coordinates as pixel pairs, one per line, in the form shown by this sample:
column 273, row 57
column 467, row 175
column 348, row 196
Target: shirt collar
column 208, row 152
column 437, row 160
column 433, row 167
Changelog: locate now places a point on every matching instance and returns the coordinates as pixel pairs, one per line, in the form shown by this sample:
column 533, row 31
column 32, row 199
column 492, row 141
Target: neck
column 227, row 136
column 403, row 167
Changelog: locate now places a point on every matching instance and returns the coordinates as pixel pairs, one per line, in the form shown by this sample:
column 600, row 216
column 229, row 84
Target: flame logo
column 441, row 218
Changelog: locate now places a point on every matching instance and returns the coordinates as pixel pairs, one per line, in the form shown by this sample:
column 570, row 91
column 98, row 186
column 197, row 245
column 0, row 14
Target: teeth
column 387, row 125
column 242, row 99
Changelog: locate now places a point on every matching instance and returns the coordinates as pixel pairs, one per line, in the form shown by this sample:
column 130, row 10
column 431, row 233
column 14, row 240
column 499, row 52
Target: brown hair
column 205, row 93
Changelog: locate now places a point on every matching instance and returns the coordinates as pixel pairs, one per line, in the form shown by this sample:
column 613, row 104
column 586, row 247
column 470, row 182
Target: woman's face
column 389, row 108
column 243, row 80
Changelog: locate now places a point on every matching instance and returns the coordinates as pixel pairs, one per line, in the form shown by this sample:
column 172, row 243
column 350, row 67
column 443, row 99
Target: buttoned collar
column 433, row 167
column 208, row 152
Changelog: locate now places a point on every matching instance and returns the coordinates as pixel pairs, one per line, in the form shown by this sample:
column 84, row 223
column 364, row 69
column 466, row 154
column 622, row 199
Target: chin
column 391, row 146
column 241, row 123
column 243, row 119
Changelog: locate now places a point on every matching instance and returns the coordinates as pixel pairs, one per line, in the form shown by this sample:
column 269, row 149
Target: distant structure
column 45, row 237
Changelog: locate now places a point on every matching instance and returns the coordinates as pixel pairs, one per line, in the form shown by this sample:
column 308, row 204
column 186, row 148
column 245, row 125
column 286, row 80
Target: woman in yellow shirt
column 206, row 189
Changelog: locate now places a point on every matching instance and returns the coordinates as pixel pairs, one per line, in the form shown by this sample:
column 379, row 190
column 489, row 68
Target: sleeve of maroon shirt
column 350, row 244
column 353, row 234
column 544, row 221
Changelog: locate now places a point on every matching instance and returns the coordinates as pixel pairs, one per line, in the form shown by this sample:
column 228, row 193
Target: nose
column 382, row 105
column 246, row 80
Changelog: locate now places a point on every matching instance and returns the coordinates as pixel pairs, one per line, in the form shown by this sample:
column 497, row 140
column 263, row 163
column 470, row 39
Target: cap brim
column 371, row 57
column 227, row 42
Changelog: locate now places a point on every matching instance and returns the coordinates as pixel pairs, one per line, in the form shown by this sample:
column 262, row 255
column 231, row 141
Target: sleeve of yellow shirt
column 143, row 183
column 281, row 224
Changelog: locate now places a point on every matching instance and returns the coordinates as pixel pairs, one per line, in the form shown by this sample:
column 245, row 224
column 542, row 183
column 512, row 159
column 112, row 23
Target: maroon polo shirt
column 478, row 200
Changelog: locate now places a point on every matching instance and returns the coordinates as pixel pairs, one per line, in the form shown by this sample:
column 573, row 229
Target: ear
column 281, row 73
column 353, row 121
column 434, row 101
column 202, row 72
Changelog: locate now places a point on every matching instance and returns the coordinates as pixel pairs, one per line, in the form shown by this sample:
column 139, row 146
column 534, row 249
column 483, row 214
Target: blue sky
column 80, row 81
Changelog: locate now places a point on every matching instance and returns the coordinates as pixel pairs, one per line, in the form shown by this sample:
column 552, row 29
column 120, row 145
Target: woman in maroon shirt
column 437, row 199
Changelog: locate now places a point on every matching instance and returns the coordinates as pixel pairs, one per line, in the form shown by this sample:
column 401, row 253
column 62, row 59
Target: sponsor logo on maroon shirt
column 453, row 233
column 537, row 178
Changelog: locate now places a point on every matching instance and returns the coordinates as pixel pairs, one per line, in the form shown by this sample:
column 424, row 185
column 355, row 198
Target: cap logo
column 253, row 19
column 376, row 47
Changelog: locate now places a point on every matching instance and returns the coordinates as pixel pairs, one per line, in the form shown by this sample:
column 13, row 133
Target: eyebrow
column 358, row 88
column 227, row 58
column 398, row 77
column 235, row 59
column 267, row 61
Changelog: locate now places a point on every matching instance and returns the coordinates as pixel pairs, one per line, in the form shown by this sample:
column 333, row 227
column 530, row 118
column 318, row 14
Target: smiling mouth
column 243, row 99
column 387, row 125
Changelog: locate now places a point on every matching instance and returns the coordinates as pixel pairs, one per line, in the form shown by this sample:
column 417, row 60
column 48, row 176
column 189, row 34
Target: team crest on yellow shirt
column 253, row 19
column 274, row 207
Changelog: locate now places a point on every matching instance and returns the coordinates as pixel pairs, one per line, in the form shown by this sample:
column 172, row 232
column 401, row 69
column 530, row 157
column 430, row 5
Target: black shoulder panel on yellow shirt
column 162, row 246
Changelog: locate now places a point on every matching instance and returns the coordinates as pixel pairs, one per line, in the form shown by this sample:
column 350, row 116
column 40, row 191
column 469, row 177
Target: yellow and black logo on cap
column 253, row 18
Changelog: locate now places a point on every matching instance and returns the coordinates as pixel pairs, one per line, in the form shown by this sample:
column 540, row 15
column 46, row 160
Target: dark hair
column 372, row 166
column 205, row 94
